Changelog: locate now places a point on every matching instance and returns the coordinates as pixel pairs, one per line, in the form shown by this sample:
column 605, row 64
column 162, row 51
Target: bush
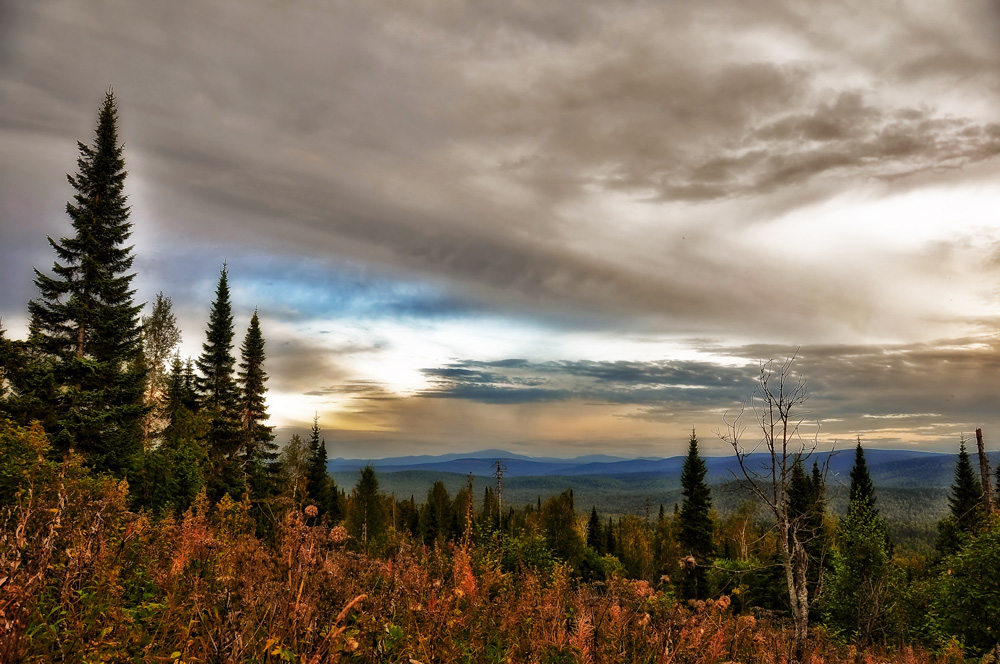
column 967, row 597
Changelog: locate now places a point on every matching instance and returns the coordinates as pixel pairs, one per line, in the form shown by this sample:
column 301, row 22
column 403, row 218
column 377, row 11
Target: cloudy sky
column 551, row 227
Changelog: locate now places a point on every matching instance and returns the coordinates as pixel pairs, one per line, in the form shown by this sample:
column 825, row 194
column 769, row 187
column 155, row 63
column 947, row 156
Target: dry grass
column 83, row 579
column 97, row 583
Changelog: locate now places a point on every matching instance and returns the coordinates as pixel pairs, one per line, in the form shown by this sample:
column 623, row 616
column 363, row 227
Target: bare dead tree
column 775, row 406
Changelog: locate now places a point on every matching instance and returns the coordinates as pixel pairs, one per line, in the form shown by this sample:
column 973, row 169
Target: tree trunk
column 984, row 470
column 800, row 592
column 796, row 563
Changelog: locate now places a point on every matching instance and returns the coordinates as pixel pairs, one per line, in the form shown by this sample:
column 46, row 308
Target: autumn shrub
column 85, row 579
column 67, row 552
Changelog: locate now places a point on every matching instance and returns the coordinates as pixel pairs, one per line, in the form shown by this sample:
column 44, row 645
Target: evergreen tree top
column 314, row 433
column 694, row 471
column 251, row 374
column 317, row 453
column 965, row 500
column 257, row 437
column 862, row 487
column 216, row 362
column 805, row 492
column 85, row 319
column 696, row 524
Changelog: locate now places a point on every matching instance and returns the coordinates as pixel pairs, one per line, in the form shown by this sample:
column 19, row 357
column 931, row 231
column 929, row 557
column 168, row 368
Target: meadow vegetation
column 90, row 576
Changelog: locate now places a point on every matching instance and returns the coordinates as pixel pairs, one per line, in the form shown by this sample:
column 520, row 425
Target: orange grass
column 87, row 580
column 83, row 579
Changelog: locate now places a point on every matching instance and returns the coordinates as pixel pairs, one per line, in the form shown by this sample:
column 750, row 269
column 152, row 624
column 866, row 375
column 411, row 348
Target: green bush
column 967, row 598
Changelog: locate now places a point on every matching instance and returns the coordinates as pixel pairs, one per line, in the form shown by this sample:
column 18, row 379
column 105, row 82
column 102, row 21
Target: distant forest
column 148, row 514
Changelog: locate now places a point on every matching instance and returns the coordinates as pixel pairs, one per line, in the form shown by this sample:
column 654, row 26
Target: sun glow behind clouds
column 916, row 262
column 865, row 222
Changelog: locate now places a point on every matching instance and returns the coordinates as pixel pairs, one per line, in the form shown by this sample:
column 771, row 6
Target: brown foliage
column 84, row 579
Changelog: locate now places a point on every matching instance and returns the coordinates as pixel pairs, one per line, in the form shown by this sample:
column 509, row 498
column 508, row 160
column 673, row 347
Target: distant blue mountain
column 890, row 468
column 479, row 463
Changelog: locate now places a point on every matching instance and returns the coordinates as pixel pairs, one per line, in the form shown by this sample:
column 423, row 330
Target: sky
column 554, row 228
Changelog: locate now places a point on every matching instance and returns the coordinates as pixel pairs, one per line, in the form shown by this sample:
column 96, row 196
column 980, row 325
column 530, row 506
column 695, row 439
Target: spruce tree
column 862, row 565
column 320, row 486
column 611, row 542
column 861, row 482
column 966, row 496
column 595, row 538
column 696, row 525
column 257, row 448
column 216, row 384
column 219, row 395
column 184, row 426
column 175, row 386
column 436, row 515
column 805, row 502
column 85, row 318
column 366, row 516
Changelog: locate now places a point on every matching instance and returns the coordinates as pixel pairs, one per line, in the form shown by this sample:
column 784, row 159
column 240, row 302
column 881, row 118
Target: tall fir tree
column 858, row 589
column 861, row 482
column 175, row 385
column 257, row 448
column 219, row 395
column 366, row 514
column 610, row 541
column 435, row 516
column 85, row 318
column 320, row 485
column 805, row 502
column 966, row 499
column 696, row 524
column 181, row 407
column 595, row 536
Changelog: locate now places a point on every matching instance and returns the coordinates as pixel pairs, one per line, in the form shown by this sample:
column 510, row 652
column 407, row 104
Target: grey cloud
column 695, row 125
column 946, row 385
column 517, row 381
column 342, row 130
column 935, row 391
column 297, row 364
column 461, row 145
column 367, row 390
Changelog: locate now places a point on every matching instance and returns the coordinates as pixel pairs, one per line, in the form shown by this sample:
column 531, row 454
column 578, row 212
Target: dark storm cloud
column 519, row 381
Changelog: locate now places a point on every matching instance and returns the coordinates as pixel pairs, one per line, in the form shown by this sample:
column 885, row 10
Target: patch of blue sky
column 305, row 290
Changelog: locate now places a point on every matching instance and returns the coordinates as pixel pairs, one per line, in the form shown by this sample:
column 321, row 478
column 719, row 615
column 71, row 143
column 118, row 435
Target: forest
column 147, row 513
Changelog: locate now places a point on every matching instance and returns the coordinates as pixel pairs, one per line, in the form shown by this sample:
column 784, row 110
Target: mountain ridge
column 887, row 467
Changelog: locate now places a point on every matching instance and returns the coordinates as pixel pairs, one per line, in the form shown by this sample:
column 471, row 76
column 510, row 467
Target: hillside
column 912, row 486
column 890, row 468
